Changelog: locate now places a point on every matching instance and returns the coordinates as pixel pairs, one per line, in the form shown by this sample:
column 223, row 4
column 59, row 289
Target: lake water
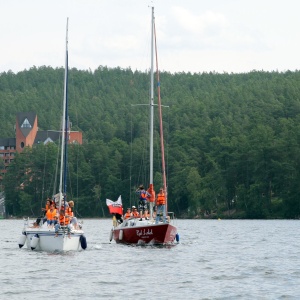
column 215, row 259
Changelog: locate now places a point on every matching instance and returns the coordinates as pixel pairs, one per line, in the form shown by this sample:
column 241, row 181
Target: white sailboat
column 43, row 237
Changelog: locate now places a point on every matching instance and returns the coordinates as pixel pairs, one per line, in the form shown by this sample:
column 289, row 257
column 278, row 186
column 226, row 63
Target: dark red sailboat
column 144, row 231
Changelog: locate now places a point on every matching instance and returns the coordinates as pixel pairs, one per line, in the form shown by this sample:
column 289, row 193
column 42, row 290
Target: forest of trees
column 232, row 141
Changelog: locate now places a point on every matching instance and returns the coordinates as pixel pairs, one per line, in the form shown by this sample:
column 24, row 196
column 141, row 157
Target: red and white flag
column 115, row 207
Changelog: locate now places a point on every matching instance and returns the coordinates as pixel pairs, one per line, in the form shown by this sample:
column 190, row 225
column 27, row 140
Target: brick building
column 27, row 134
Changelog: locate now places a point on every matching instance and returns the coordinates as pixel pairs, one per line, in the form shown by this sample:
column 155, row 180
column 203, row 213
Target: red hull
column 160, row 234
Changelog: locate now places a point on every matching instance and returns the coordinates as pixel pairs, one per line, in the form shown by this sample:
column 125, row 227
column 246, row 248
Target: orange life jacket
column 151, row 191
column 143, row 195
column 127, row 215
column 50, row 214
column 135, row 214
column 161, row 199
column 63, row 220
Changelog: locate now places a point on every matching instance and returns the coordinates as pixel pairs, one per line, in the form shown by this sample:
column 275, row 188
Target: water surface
column 225, row 259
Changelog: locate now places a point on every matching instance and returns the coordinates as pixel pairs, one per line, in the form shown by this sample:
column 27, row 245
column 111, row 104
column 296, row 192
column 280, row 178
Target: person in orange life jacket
column 64, row 204
column 69, row 210
column 135, row 213
column 63, row 221
column 161, row 206
column 143, row 195
column 50, row 215
column 45, row 209
column 128, row 214
column 47, row 206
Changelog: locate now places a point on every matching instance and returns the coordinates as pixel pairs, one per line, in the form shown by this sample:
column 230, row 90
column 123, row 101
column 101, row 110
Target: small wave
column 97, row 247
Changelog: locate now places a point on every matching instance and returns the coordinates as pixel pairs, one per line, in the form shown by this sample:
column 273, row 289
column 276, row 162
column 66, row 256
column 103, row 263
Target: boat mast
column 151, row 99
column 163, row 164
column 63, row 158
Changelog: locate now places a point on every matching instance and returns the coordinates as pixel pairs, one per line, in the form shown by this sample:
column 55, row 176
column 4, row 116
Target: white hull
column 45, row 239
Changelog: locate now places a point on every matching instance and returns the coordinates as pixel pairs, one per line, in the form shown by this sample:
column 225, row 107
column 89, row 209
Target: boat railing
column 171, row 214
column 129, row 222
column 171, row 217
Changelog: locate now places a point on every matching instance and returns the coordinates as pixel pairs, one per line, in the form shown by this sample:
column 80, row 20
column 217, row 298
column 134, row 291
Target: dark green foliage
column 233, row 141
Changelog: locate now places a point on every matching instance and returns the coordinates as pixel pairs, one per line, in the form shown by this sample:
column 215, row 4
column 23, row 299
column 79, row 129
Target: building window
column 26, row 124
column 1, row 154
column 22, row 145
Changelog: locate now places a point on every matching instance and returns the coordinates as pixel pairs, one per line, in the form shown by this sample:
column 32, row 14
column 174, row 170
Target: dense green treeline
column 232, row 140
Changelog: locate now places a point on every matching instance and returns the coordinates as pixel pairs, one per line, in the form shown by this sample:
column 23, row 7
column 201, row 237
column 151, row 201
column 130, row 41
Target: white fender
column 22, row 239
column 34, row 241
column 111, row 235
column 121, row 235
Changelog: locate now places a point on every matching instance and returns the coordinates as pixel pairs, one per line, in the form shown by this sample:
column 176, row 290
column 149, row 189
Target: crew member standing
column 143, row 196
column 161, row 206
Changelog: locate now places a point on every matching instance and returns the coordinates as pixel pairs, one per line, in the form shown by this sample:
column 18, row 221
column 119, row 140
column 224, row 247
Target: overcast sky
column 192, row 35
